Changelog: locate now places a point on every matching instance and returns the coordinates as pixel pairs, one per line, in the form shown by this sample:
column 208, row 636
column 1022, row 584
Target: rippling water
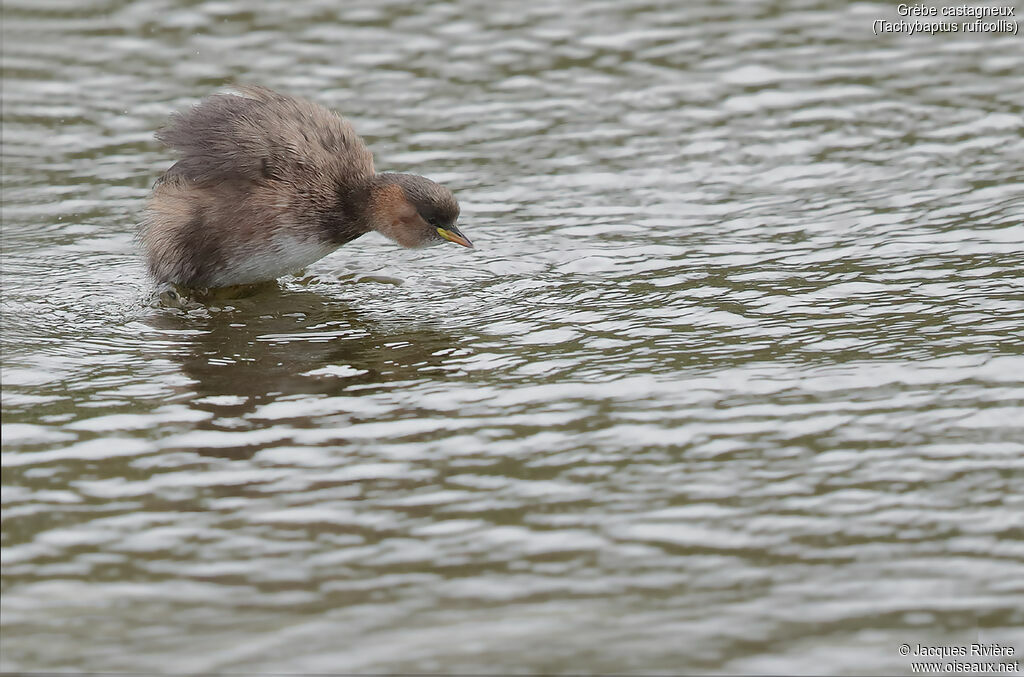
column 733, row 382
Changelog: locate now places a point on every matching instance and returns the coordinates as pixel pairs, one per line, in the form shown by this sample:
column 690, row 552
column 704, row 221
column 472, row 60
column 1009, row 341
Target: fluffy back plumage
column 259, row 135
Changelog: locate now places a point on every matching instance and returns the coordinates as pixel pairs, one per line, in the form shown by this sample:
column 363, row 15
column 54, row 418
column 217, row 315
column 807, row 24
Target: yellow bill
column 453, row 235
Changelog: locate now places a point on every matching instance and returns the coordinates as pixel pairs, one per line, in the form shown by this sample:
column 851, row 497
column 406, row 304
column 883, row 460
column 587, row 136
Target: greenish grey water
column 734, row 381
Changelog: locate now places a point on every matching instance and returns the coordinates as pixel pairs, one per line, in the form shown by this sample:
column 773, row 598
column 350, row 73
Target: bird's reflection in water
column 285, row 343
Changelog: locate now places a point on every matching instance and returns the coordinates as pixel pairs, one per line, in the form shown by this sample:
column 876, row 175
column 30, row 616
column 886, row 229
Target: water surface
column 733, row 381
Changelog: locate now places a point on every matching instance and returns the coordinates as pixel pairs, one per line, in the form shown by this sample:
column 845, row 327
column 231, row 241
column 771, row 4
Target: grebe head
column 413, row 211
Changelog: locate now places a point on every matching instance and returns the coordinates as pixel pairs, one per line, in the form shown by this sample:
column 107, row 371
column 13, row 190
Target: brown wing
column 260, row 135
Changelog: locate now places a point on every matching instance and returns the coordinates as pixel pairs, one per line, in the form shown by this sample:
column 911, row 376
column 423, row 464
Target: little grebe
column 267, row 184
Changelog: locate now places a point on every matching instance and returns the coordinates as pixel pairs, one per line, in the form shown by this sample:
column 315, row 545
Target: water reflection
column 280, row 345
